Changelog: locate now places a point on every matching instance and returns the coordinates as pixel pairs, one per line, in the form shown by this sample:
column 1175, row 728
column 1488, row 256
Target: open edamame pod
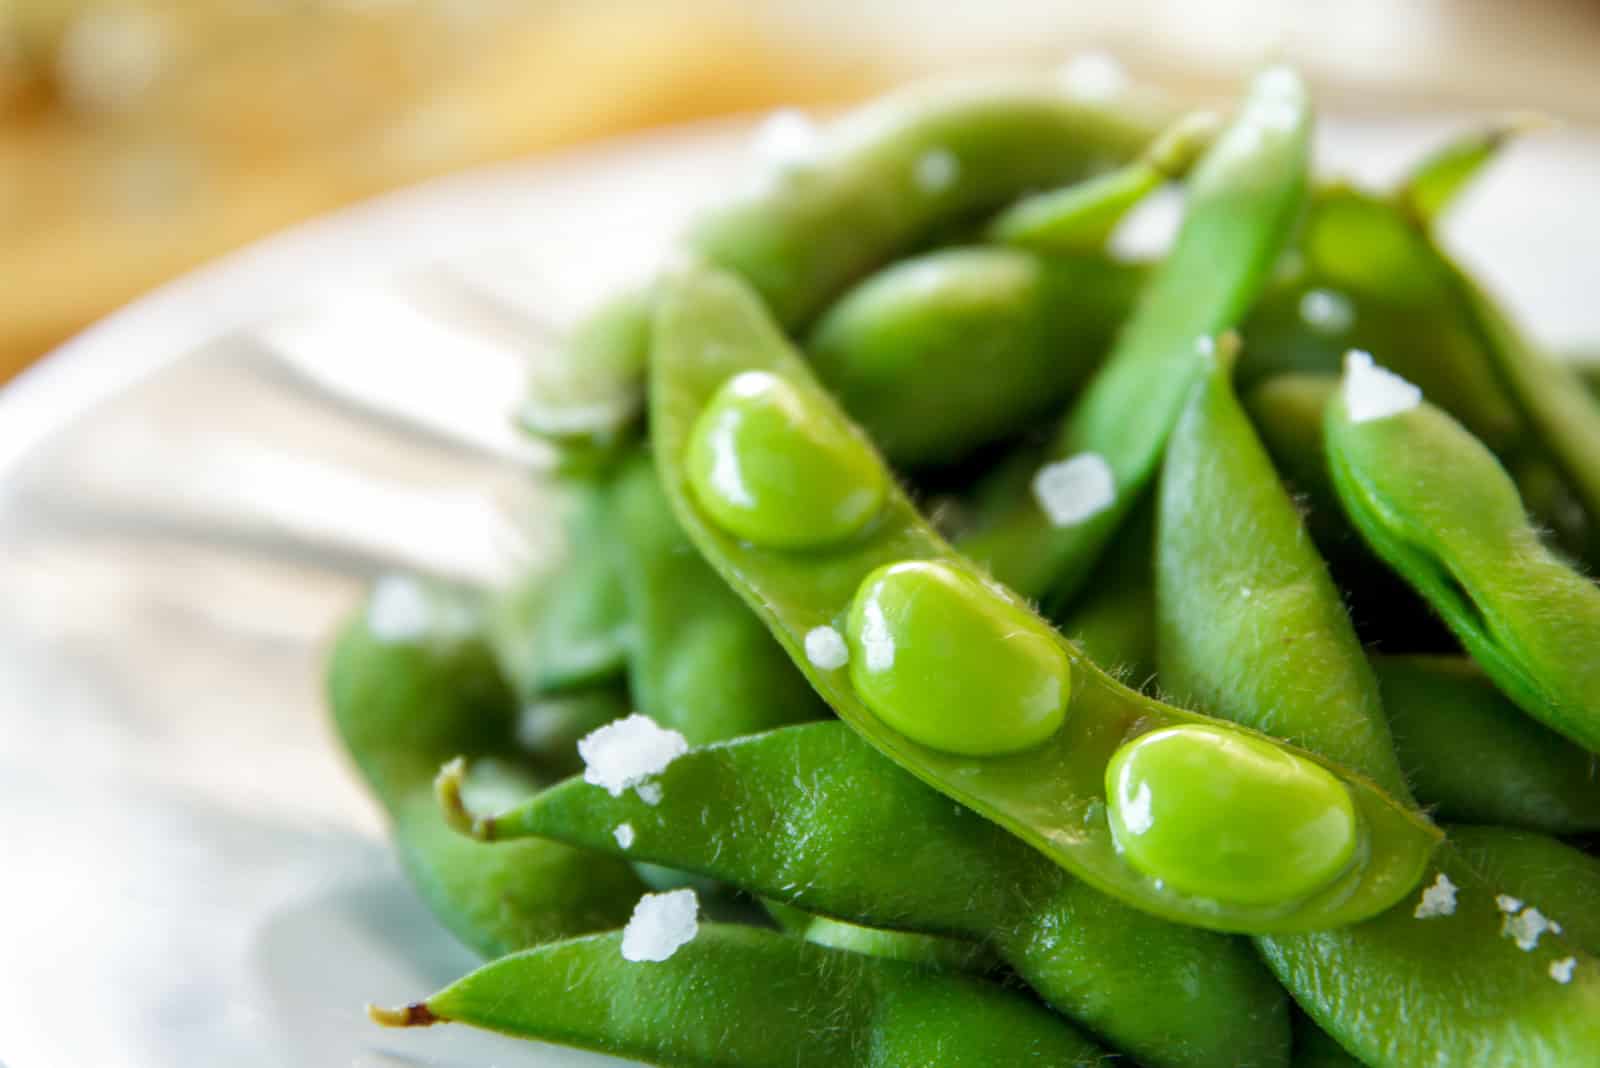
column 1474, row 757
column 1432, row 501
column 815, row 817
column 702, row 664
column 1247, row 613
column 1243, row 199
column 932, row 951
column 941, row 353
column 955, row 678
column 881, row 180
column 1081, row 217
column 742, row 997
column 412, row 683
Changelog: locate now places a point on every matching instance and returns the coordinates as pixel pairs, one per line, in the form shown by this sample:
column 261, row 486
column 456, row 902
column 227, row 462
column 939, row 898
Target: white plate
column 194, row 491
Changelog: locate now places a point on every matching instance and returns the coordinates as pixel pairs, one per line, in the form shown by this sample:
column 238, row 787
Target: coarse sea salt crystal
column 825, row 648
column 1371, row 392
column 1525, row 928
column 397, row 610
column 1094, row 76
column 1561, row 970
column 1437, row 900
column 787, row 138
column 660, row 925
column 1075, row 489
column 628, row 751
column 623, row 833
column 649, row 793
column 936, row 170
column 1507, row 903
column 1325, row 311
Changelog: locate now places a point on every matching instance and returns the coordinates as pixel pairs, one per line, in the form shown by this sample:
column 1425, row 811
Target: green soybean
column 1432, row 501
column 710, row 328
column 1246, row 610
column 702, row 664
column 758, row 999
column 1243, row 198
column 412, row 683
column 1222, row 815
column 1081, row 217
column 1475, row 758
column 936, row 655
column 779, row 471
column 941, row 353
column 813, row 816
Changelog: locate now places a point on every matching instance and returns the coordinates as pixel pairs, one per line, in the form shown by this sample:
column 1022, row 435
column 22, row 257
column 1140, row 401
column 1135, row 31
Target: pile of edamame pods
column 974, row 648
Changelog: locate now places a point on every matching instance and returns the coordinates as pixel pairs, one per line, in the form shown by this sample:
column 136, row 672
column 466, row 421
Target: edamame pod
column 1436, row 506
column 1247, row 613
column 741, row 997
column 1474, row 757
column 813, row 816
column 702, row 664
column 882, row 180
column 1081, row 217
column 1047, row 788
column 1243, row 199
column 944, row 352
column 581, row 638
column 1114, row 619
column 412, row 683
column 1436, row 183
column 933, row 951
column 1563, row 882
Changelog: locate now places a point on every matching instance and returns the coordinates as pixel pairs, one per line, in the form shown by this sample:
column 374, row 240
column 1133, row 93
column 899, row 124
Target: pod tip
column 416, row 1014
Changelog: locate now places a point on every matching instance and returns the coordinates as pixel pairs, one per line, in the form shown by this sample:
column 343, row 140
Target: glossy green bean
column 702, row 664
column 883, row 180
column 812, row 816
column 1248, row 618
column 1434, row 503
column 711, row 328
column 412, row 683
column 944, row 352
column 1243, row 198
column 1081, row 217
column 740, row 997
column 1474, row 757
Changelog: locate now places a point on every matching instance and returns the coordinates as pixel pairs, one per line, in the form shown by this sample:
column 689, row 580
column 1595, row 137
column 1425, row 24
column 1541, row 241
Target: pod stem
column 417, row 1014
column 447, row 790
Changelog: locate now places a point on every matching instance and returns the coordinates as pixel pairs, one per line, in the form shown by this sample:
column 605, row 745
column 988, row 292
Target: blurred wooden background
column 140, row 138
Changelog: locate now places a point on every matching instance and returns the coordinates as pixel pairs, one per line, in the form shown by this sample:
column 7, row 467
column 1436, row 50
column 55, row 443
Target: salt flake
column 623, row 833
column 1561, row 970
column 661, row 924
column 1437, row 900
column 787, row 138
column 1525, row 928
column 825, row 648
column 1325, row 311
column 1094, row 76
column 628, row 751
column 1372, row 392
column 1507, row 903
column 936, row 170
column 649, row 793
column 1073, row 490
column 397, row 610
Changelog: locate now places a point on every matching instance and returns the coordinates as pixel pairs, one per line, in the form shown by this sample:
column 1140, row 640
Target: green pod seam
column 913, row 947
column 741, row 997
column 883, row 179
column 412, row 683
column 1248, row 619
column 944, row 352
column 702, row 664
column 1474, row 757
column 710, row 328
column 1432, row 501
column 814, row 817
column 1244, row 197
